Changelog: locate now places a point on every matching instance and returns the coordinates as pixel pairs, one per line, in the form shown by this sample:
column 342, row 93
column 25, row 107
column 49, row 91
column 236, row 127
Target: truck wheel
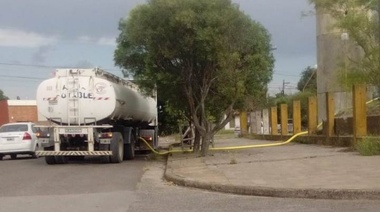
column 60, row 159
column 129, row 151
column 117, row 148
column 1, row 157
column 50, row 160
column 13, row 156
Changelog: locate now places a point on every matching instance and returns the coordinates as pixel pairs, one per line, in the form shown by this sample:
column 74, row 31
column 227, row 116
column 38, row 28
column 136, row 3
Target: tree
column 358, row 19
column 2, row 96
column 207, row 58
column 308, row 80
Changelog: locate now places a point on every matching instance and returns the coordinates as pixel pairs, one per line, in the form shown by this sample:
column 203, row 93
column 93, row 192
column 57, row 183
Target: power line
column 29, row 65
column 49, row 66
column 287, row 75
column 21, row 77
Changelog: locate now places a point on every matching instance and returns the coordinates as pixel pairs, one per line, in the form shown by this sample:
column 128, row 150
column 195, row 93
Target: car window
column 14, row 128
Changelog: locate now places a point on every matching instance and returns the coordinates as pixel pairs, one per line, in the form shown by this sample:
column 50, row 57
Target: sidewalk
column 293, row 170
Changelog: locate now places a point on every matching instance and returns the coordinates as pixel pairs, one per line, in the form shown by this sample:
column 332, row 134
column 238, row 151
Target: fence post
column 359, row 110
column 243, row 123
column 296, row 116
column 284, row 119
column 265, row 121
column 273, row 120
column 312, row 114
column 330, row 114
column 258, row 122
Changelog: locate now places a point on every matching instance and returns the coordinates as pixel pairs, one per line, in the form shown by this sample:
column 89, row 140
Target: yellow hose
column 237, row 147
column 259, row 145
column 227, row 148
column 162, row 153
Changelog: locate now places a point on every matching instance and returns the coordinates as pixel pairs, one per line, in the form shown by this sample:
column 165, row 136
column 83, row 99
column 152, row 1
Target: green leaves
column 2, row 96
column 308, row 80
column 205, row 57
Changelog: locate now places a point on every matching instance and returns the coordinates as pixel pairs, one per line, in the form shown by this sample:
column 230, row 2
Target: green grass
column 368, row 146
column 225, row 132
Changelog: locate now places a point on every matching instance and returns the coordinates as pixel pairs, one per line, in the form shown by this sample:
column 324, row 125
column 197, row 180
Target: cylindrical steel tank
column 86, row 96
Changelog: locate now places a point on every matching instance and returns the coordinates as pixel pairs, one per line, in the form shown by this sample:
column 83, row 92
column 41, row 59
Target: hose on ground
column 226, row 148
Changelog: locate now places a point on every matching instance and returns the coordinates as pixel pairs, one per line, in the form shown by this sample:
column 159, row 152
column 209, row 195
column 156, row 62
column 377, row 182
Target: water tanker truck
column 94, row 113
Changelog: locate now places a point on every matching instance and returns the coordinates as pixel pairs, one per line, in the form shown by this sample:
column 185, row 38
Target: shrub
column 368, row 146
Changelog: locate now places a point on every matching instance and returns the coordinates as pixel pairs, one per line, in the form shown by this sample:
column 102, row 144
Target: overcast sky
column 38, row 35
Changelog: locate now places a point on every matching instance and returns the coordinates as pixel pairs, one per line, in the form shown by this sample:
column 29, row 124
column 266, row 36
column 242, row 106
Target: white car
column 18, row 138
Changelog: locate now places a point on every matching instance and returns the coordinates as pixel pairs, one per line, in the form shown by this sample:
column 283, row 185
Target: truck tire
column 129, row 151
column 13, row 156
column 60, row 159
column 50, row 160
column 117, row 148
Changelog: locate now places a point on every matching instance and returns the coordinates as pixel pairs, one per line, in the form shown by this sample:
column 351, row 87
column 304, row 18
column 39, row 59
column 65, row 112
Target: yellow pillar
column 330, row 114
column 273, row 120
column 284, row 119
column 243, row 123
column 359, row 110
column 312, row 115
column 296, row 116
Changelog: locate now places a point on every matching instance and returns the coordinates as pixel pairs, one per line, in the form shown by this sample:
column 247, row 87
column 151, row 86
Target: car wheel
column 13, row 156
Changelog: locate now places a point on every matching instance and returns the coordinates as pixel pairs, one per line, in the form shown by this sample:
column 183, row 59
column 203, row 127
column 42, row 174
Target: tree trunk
column 197, row 142
column 205, row 144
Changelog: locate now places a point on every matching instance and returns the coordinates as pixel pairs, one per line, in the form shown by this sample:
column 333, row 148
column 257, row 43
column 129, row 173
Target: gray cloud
column 292, row 34
column 84, row 64
column 68, row 18
column 41, row 54
column 98, row 19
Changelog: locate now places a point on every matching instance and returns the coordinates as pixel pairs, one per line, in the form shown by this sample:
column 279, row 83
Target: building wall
column 333, row 55
column 4, row 113
column 23, row 113
column 17, row 111
column 234, row 123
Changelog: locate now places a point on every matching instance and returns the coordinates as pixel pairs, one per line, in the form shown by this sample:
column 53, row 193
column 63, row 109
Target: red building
column 17, row 111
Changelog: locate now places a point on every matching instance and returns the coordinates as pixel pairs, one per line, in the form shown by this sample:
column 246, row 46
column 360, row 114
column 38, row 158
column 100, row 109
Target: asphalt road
column 31, row 185
column 90, row 185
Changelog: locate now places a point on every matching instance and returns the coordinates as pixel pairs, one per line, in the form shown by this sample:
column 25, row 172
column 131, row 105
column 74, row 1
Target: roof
column 22, row 103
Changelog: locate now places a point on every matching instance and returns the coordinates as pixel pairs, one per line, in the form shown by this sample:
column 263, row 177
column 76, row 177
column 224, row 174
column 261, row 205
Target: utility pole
column 283, row 87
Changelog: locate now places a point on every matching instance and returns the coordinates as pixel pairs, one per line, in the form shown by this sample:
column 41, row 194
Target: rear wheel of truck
column 117, row 148
column 61, row 159
column 129, row 151
column 50, row 160
column 129, row 144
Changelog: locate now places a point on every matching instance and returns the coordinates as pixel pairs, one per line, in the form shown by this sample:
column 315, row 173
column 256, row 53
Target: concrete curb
column 337, row 194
